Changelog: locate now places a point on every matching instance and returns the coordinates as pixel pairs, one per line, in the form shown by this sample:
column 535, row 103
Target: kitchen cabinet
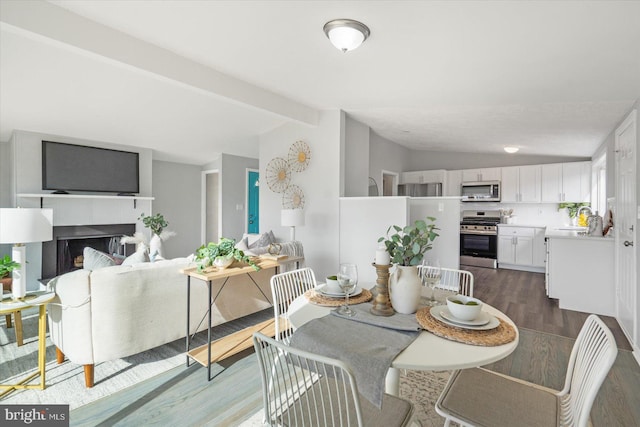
column 580, row 273
column 420, row 177
column 485, row 174
column 566, row 182
column 521, row 248
column 521, row 184
column 454, row 181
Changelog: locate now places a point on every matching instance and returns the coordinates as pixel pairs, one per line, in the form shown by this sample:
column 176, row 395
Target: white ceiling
column 553, row 78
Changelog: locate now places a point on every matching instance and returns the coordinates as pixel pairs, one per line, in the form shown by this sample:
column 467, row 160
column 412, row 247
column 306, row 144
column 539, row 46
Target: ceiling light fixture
column 346, row 34
column 511, row 150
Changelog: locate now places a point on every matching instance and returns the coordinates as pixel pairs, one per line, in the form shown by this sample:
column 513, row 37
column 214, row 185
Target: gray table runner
column 399, row 322
column 368, row 350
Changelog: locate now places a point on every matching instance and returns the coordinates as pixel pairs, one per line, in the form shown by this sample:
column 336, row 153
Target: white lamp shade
column 292, row 217
column 25, row 225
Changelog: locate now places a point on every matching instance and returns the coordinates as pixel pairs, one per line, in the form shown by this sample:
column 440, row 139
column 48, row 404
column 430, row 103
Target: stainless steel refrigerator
column 428, row 189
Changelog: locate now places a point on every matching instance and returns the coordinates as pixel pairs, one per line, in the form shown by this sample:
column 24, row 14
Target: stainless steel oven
column 479, row 238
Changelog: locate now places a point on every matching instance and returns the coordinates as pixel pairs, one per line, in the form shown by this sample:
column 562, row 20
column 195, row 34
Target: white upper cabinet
column 566, row 182
column 485, row 174
column 421, row 177
column 521, row 184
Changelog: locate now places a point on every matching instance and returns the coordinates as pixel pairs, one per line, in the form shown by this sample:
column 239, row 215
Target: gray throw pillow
column 94, row 259
column 136, row 258
column 264, row 240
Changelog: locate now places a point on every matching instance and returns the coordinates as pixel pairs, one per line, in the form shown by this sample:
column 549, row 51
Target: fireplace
column 64, row 252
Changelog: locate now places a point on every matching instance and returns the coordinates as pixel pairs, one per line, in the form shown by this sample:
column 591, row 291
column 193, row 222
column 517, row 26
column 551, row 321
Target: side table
column 38, row 299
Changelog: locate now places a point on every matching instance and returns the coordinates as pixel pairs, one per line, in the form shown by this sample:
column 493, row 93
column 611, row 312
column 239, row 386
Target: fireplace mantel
column 80, row 196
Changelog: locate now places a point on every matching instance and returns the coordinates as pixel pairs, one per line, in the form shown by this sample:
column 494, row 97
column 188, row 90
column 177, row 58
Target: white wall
column 356, row 158
column 386, row 155
column 320, row 183
column 177, row 197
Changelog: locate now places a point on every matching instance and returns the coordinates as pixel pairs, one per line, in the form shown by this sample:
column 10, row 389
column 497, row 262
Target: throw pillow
column 94, row 259
column 263, row 241
column 136, row 258
column 243, row 245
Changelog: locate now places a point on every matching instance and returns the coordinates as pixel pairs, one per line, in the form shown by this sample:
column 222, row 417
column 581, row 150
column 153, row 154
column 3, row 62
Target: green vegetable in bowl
column 456, row 301
column 332, row 277
column 471, row 303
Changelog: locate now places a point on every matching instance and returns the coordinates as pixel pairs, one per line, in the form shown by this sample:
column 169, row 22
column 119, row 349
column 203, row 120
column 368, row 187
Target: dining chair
column 480, row 397
column 285, row 287
column 305, row 389
column 459, row 281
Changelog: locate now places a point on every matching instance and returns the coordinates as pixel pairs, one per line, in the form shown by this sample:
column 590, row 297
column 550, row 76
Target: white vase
column 223, row 262
column 405, row 288
column 155, row 247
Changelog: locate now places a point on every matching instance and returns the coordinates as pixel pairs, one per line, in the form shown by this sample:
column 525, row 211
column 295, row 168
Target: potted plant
column 572, row 210
column 406, row 247
column 156, row 223
column 221, row 255
column 7, row 265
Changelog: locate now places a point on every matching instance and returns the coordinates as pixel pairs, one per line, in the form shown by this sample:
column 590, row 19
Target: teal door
column 253, row 200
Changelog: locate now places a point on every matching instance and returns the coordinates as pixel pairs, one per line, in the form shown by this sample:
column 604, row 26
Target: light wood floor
column 183, row 397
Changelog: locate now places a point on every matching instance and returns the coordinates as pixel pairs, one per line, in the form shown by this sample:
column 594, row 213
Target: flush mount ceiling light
column 346, row 34
column 511, row 150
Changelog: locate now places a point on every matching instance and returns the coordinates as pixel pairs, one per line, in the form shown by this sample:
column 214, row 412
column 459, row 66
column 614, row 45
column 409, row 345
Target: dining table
column 428, row 352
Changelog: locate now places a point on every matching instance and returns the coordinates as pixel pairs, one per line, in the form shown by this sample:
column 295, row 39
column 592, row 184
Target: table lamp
column 19, row 226
column 292, row 218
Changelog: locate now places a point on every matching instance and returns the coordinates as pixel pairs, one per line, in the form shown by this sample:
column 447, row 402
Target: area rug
column 65, row 382
column 421, row 388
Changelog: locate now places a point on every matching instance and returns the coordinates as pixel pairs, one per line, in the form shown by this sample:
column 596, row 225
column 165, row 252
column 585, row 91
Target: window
column 599, row 184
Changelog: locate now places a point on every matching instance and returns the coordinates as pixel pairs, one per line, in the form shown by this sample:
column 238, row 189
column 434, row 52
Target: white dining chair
column 285, row 287
column 480, row 397
column 304, row 389
column 459, row 281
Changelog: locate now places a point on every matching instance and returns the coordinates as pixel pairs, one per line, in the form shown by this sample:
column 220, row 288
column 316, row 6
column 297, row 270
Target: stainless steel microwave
column 484, row 191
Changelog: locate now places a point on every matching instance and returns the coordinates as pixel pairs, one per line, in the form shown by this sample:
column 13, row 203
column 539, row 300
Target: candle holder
column 381, row 304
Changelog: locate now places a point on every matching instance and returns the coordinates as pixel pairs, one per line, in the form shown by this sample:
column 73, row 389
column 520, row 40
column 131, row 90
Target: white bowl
column 464, row 311
column 332, row 286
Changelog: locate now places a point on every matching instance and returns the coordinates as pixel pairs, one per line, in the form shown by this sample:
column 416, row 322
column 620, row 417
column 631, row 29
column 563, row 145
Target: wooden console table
column 203, row 354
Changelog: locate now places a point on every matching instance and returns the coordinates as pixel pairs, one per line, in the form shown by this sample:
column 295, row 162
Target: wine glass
column 347, row 280
column 431, row 274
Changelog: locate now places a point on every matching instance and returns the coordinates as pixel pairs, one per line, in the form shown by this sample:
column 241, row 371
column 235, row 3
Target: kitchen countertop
column 522, row 225
column 572, row 234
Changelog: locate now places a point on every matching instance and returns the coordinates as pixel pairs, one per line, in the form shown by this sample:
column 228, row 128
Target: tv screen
column 69, row 167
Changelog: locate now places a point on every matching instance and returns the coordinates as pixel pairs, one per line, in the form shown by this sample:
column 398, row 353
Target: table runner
column 368, row 350
column 399, row 322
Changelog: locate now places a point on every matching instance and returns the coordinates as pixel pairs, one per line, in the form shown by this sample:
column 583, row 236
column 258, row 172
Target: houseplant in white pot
column 407, row 247
column 157, row 224
column 221, row 255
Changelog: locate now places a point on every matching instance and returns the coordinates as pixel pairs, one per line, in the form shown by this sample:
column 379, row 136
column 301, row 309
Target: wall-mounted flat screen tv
column 69, row 167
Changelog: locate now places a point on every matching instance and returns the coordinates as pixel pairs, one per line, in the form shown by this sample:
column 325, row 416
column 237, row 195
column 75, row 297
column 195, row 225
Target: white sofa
column 118, row 311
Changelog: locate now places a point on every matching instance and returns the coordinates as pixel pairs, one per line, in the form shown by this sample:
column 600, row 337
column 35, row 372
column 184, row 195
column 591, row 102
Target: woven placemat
column 502, row 334
column 319, row 299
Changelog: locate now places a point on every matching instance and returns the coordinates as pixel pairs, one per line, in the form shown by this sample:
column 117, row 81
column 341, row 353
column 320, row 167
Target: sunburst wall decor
column 299, row 156
column 293, row 197
column 278, row 175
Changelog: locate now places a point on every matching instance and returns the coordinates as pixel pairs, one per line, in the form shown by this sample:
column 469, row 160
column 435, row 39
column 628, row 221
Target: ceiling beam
column 62, row 26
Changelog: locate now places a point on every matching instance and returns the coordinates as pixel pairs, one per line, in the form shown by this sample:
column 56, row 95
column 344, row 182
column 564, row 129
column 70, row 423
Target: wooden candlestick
column 381, row 304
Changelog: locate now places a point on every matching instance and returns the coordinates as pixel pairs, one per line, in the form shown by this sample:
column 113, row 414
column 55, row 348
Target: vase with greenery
column 406, row 247
column 7, row 265
column 222, row 254
column 157, row 224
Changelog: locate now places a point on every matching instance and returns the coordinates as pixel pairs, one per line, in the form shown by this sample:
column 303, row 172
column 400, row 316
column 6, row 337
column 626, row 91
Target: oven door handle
column 481, row 233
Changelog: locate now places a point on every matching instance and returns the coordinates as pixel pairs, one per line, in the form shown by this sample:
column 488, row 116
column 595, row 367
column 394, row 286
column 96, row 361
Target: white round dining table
column 427, row 353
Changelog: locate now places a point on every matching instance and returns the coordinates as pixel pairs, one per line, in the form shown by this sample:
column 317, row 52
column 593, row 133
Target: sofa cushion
column 265, row 240
column 243, row 244
column 94, row 259
column 136, row 258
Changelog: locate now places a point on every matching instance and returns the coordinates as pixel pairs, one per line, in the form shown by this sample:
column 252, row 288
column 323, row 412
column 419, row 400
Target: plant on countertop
column 572, row 208
column 225, row 248
column 407, row 245
column 7, row 265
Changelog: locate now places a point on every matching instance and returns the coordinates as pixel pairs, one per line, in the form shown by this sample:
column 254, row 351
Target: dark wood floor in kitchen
column 521, row 296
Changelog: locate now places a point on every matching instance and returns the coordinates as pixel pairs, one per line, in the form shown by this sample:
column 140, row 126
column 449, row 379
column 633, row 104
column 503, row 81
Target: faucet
column 584, row 207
